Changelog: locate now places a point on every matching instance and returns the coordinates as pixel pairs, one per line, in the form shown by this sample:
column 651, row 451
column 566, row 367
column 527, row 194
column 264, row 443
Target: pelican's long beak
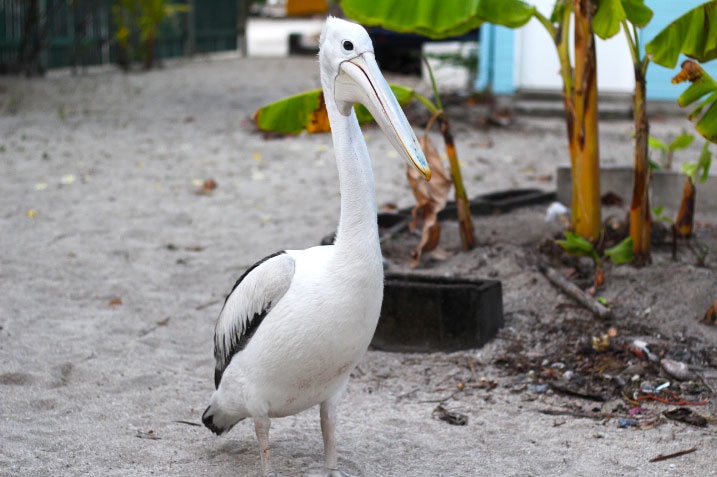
column 361, row 81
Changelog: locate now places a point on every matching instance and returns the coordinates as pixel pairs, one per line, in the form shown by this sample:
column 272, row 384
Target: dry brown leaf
column 147, row 435
column 710, row 317
column 319, row 119
column 691, row 72
column 431, row 198
column 207, row 187
column 115, row 302
column 430, row 236
column 437, row 189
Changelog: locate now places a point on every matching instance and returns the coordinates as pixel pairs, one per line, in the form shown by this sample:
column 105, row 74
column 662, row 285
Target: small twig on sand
column 662, row 457
column 577, row 414
column 208, row 304
column 408, row 394
column 189, row 423
column 575, row 292
column 441, row 400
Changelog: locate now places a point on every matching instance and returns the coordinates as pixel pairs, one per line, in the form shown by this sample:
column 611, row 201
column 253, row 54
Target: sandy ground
column 112, row 272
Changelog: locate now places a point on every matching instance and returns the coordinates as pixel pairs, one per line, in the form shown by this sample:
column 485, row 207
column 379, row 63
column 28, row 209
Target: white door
column 538, row 69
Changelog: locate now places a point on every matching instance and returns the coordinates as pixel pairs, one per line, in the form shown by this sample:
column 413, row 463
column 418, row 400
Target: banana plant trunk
column 640, row 218
column 685, row 216
column 584, row 138
column 465, row 220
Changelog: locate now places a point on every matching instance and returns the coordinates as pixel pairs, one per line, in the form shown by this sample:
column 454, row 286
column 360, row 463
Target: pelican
column 297, row 323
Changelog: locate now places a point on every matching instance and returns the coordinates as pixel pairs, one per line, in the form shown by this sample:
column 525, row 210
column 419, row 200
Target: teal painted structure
column 496, row 61
column 81, row 32
column 496, row 69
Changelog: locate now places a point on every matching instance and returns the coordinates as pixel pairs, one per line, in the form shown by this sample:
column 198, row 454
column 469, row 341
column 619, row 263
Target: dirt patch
column 641, row 356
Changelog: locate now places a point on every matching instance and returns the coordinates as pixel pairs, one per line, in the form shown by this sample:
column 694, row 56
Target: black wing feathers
column 252, row 297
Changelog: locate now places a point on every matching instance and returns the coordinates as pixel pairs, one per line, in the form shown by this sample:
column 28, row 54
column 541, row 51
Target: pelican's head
column 350, row 74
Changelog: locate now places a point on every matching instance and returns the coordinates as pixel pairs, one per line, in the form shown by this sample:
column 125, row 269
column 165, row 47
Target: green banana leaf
column 694, row 34
column 611, row 13
column 559, row 9
column 682, row 141
column 621, row 253
column 307, row 112
column 508, row 13
column 574, row 244
column 705, row 112
column 437, row 19
column 700, row 168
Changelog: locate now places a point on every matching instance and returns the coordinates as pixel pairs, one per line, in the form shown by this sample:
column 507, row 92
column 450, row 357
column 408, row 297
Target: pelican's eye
column 348, row 46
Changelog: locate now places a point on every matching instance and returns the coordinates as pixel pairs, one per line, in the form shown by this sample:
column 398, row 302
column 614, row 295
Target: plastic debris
column 647, row 387
column 556, row 210
column 639, row 348
column 538, row 388
column 624, row 423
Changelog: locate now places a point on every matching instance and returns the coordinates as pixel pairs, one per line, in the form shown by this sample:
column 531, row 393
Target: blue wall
column 496, row 62
column 497, row 49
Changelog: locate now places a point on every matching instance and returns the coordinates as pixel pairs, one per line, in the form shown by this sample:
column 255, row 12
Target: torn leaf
column 431, row 198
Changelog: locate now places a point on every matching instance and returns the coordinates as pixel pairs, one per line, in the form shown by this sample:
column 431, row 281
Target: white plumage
column 297, row 323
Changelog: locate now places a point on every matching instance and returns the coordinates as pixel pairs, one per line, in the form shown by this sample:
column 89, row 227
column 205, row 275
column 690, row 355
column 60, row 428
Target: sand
column 113, row 270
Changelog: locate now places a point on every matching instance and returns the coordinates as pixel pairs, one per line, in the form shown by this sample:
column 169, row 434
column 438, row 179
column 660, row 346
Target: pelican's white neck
column 357, row 225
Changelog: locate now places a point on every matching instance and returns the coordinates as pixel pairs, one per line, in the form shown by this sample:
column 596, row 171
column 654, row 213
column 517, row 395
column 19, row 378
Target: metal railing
column 39, row 34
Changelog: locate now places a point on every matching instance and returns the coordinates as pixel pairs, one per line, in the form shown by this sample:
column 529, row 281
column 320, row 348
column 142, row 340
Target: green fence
column 81, row 32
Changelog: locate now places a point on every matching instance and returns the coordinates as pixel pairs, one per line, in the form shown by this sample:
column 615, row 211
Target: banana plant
column 611, row 17
column 704, row 115
column 667, row 150
column 695, row 35
column 702, row 85
column 574, row 244
column 695, row 171
column 465, row 221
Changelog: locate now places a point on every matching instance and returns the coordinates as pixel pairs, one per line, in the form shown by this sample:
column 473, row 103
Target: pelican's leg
column 261, row 426
column 328, row 428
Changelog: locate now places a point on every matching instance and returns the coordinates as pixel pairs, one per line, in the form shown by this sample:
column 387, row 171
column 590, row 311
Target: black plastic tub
column 423, row 313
